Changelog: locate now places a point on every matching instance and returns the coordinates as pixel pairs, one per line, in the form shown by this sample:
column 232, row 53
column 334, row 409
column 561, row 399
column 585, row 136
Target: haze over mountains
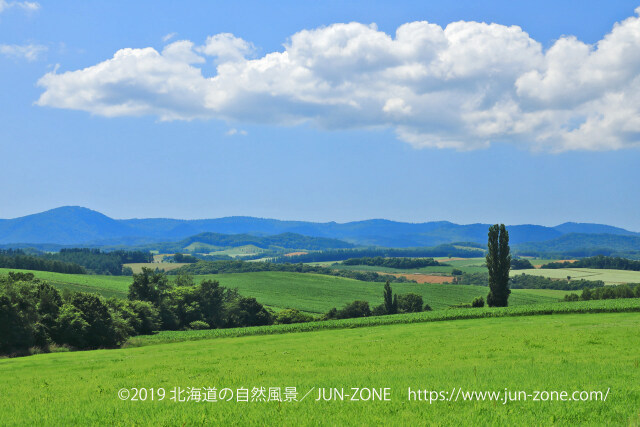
column 74, row 225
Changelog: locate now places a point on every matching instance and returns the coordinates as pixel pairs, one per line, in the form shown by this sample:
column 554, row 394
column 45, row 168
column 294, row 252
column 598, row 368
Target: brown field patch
column 296, row 253
column 449, row 259
column 423, row 278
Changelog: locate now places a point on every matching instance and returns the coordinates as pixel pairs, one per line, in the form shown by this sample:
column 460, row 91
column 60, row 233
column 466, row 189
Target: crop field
column 517, row 353
column 609, row 277
column 631, row 305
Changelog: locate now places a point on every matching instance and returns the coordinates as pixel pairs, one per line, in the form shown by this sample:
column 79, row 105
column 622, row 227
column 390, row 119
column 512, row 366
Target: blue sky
column 225, row 149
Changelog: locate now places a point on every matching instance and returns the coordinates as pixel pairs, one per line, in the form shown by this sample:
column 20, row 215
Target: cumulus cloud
column 25, row 5
column 30, row 52
column 226, row 47
column 462, row 87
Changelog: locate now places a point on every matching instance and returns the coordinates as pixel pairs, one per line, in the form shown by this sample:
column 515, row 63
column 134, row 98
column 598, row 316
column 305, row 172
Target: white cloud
column 234, row 131
column 26, row 5
column 169, row 36
column 30, row 52
column 226, row 47
column 462, row 86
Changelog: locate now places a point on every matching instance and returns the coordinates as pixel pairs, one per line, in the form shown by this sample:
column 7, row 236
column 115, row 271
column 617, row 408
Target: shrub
column 477, row 302
column 410, row 303
column 292, row 315
column 199, row 325
column 352, row 310
column 379, row 310
column 571, row 297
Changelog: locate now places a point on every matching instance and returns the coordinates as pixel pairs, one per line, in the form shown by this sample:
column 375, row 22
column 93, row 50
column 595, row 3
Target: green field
column 609, row 277
column 313, row 293
column 519, row 353
column 317, row 293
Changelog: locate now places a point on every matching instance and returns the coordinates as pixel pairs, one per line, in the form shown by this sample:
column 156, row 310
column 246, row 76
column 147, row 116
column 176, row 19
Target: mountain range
column 74, row 225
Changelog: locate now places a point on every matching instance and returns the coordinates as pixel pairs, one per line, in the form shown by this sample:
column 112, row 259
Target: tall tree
column 389, row 306
column 148, row 286
column 498, row 263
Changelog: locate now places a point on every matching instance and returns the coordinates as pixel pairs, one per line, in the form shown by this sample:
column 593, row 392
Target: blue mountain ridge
column 69, row 225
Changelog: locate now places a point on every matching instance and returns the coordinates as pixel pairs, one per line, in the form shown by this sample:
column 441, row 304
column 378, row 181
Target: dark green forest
column 528, row 281
column 599, row 262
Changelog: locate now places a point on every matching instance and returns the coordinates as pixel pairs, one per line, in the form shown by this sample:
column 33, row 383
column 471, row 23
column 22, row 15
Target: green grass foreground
column 597, row 306
column 558, row 352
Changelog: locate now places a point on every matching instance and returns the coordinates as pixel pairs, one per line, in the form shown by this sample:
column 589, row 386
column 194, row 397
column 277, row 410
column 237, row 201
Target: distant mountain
column 582, row 228
column 73, row 225
column 580, row 244
column 66, row 225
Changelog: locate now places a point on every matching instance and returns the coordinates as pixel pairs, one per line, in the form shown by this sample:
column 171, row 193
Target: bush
column 477, row 302
column 352, row 310
column 291, row 315
column 410, row 303
column 245, row 311
column 199, row 325
column 456, row 272
column 520, row 264
column 379, row 310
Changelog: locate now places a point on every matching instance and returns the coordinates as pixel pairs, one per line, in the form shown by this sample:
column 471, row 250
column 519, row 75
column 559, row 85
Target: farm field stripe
column 599, row 306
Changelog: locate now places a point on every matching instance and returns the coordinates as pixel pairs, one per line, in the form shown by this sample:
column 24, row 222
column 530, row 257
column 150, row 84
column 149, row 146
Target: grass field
column 317, row 293
column 522, row 353
column 609, row 277
column 312, row 293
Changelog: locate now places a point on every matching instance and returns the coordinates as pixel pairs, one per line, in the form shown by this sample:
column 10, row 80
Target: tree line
column 606, row 292
column 598, row 262
column 97, row 261
column 407, row 263
column 393, row 304
column 17, row 259
column 529, row 281
column 239, row 266
column 74, row 261
column 521, row 264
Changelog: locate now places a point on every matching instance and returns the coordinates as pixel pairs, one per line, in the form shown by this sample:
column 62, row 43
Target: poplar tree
column 389, row 305
column 499, row 264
